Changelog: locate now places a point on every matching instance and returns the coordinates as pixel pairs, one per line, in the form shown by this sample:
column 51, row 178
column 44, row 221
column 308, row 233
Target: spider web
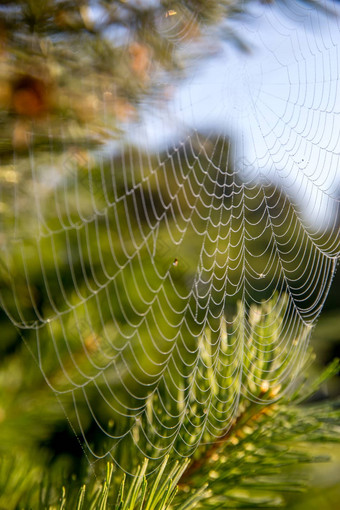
column 149, row 271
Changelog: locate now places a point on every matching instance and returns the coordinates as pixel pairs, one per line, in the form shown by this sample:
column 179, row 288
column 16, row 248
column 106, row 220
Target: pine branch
column 249, row 467
column 140, row 494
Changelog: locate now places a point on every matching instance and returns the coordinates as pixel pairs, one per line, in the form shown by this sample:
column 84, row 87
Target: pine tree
column 68, row 87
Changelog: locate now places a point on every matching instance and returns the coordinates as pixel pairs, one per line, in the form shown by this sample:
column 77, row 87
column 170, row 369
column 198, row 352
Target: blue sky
column 279, row 103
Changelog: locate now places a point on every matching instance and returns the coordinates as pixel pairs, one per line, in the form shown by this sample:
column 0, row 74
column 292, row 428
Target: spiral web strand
column 177, row 281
